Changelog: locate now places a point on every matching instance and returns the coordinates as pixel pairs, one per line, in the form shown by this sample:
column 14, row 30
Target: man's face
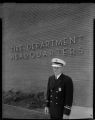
column 57, row 70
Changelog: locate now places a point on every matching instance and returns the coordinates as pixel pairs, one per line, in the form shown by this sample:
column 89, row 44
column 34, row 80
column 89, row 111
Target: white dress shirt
column 58, row 76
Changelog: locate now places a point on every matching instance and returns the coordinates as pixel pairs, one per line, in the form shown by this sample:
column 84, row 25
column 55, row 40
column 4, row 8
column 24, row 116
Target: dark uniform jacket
column 59, row 96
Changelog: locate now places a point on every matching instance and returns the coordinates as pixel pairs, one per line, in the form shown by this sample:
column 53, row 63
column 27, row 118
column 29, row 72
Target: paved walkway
column 10, row 111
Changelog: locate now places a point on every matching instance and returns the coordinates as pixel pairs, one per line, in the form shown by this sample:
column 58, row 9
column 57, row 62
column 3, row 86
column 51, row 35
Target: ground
column 10, row 111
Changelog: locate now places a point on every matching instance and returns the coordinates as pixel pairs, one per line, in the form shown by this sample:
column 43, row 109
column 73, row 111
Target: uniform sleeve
column 68, row 96
column 48, row 94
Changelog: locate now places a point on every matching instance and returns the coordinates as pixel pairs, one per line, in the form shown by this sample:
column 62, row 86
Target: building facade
column 35, row 33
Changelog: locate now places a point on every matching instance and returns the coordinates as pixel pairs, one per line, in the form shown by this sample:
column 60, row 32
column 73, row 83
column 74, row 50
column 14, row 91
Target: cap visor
column 54, row 65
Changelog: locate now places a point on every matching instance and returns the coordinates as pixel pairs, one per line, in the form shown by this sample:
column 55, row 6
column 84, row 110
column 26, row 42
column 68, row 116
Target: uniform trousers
column 56, row 113
column 52, row 117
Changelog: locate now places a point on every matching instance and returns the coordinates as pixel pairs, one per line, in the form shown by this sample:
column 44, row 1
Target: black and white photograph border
column 33, row 34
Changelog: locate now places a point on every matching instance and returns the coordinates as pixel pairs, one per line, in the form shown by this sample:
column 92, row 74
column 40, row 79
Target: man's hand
column 65, row 116
column 46, row 110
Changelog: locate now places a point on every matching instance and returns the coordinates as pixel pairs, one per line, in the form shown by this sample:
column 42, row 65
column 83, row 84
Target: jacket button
column 56, row 103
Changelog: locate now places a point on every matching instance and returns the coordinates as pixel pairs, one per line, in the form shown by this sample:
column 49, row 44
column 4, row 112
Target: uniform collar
column 58, row 75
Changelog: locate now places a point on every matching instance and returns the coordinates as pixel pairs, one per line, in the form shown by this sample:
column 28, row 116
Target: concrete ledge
column 10, row 111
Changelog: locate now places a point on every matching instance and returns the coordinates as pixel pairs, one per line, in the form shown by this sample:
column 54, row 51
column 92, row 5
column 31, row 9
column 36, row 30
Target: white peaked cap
column 56, row 62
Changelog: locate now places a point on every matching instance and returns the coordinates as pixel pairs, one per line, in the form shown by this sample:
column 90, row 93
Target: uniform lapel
column 55, row 83
column 52, row 85
column 58, row 81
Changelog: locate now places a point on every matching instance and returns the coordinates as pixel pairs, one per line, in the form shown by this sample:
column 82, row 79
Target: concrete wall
column 30, row 39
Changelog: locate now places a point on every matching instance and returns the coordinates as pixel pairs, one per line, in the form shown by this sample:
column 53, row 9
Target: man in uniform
column 59, row 96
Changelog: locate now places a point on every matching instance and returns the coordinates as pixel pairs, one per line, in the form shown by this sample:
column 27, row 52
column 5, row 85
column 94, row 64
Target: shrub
column 27, row 100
